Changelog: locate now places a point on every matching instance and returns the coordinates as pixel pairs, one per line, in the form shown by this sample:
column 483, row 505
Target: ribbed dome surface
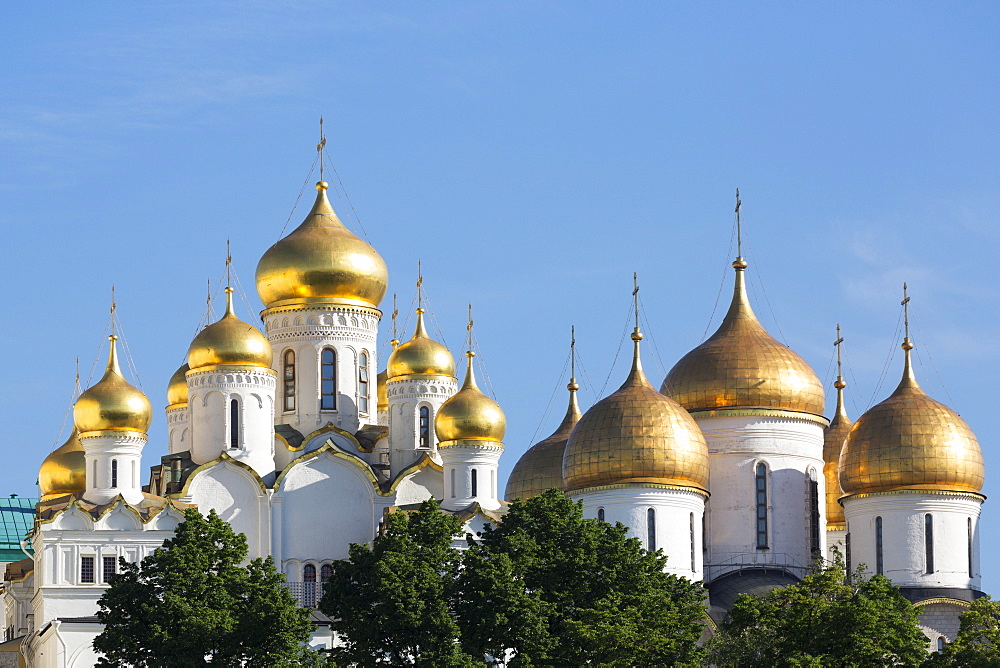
column 540, row 468
column 64, row 470
column 112, row 403
column 421, row 355
column 742, row 366
column 469, row 415
column 229, row 341
column 177, row 388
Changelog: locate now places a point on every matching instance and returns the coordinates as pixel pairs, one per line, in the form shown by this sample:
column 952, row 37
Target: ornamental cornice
column 957, row 494
column 121, row 436
column 943, row 599
column 311, row 335
column 322, row 307
column 470, row 445
column 647, row 485
column 778, row 414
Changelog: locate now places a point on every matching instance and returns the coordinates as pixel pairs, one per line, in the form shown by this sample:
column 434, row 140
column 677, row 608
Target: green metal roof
column 17, row 515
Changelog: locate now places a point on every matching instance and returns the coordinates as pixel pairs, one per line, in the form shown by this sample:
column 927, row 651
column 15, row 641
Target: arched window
column 813, row 510
column 929, row 542
column 114, row 473
column 135, row 483
column 650, row 529
column 475, row 483
column 363, row 382
column 234, row 424
column 425, row 427
column 761, row 492
column 600, row 514
column 493, row 484
column 879, row 564
column 325, row 573
column 93, row 474
column 847, row 548
column 970, row 547
column 289, row 380
column 940, row 644
column 309, row 585
column 328, row 380
column 453, row 483
column 691, row 523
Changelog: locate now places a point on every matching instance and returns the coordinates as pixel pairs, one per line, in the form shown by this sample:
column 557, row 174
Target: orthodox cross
column 739, row 229
column 320, row 146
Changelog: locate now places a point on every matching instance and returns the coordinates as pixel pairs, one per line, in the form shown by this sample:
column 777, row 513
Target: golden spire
column 840, row 383
column 909, row 378
column 470, row 374
column 320, row 146
column 636, row 375
column 395, row 314
column 421, row 355
column 833, row 444
column 112, row 403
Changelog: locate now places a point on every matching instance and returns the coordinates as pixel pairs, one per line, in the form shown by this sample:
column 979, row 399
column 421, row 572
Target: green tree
column 828, row 619
column 978, row 641
column 391, row 601
column 548, row 587
column 192, row 603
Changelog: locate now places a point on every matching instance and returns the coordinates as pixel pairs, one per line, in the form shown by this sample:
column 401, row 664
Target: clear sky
column 532, row 155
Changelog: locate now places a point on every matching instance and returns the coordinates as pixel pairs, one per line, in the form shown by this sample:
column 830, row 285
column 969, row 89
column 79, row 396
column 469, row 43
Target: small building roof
column 17, row 516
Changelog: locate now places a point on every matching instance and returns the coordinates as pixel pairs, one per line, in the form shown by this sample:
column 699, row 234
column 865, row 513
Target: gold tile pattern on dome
column 833, row 443
column 636, row 435
column 741, row 365
column 910, row 441
column 540, row 468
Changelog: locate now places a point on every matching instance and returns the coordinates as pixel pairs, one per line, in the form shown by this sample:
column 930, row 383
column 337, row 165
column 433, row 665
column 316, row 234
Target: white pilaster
column 470, row 474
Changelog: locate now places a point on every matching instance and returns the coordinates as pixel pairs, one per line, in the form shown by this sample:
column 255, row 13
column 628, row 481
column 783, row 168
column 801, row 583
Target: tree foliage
column 192, row 603
column 977, row 644
column 828, row 619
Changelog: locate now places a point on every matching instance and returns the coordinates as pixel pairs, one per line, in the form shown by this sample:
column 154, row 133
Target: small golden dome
column 636, row 435
column 383, row 398
column 421, row 355
column 64, row 470
column 910, row 441
column 469, row 415
column 833, row 443
column 112, row 403
column 229, row 341
column 321, row 261
column 177, row 388
column 742, row 366
column 540, row 468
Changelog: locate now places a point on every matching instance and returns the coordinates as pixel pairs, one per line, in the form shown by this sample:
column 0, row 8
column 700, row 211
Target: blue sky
column 532, row 155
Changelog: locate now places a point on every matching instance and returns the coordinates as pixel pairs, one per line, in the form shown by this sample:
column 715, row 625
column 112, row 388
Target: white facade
column 113, row 460
column 414, row 401
column 470, row 474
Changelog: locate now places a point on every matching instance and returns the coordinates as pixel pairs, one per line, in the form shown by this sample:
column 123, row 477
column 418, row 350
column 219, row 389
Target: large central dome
column 742, row 366
column 321, row 261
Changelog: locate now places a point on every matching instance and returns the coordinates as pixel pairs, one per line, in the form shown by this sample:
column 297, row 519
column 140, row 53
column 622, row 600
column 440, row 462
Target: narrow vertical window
column 814, row 527
column 600, row 514
column 93, row 474
column 761, row 492
column 691, row 523
column 309, row 585
column 425, row 427
column 110, row 568
column 363, row 382
column 325, row 573
column 929, row 542
column 453, row 483
column 114, row 473
column 493, row 484
column 940, row 644
column 879, row 564
column 288, row 376
column 651, row 530
column 970, row 547
column 328, row 380
column 475, row 483
column 87, row 570
column 704, row 533
column 847, row 550
column 234, row 424
column 135, row 483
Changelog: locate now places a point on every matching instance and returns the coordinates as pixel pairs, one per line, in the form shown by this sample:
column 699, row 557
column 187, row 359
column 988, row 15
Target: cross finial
column 836, row 344
column 114, row 308
column 635, row 297
column 320, row 146
column 469, row 327
column 76, row 390
column 906, row 313
column 395, row 314
column 420, row 284
column 572, row 352
column 739, row 227
column 229, row 265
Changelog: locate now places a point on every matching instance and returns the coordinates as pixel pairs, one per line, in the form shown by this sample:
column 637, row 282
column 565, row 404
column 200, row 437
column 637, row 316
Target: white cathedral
column 730, row 467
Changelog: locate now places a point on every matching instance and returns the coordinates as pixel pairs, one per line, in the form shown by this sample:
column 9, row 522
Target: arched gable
column 234, row 491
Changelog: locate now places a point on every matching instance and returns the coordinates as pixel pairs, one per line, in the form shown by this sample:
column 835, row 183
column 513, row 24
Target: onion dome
column 383, row 397
column 112, row 403
column 833, row 443
column 469, row 415
column 231, row 342
column 540, row 468
column 177, row 388
column 421, row 355
column 64, row 471
column 321, row 261
column 742, row 366
column 636, row 435
column 910, row 442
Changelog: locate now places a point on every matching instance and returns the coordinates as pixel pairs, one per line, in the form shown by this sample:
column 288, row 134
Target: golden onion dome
column 177, row 388
column 321, row 261
column 383, row 397
column 64, row 471
column 469, row 415
column 833, row 443
column 910, row 442
column 742, row 366
column 112, row 403
column 421, row 355
column 540, row 468
column 636, row 435
column 231, row 342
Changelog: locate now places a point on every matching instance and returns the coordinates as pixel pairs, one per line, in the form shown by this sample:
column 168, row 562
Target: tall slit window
column 940, row 644
column 288, row 377
column 114, row 473
column 453, row 483
column 600, row 514
column 363, row 382
column 847, row 550
column 234, row 424
column 691, row 523
column 328, row 380
column 879, row 563
column 650, row 529
column 475, row 483
column 970, row 547
column 425, row 427
column 87, row 570
column 761, row 493
column 929, row 542
column 814, row 527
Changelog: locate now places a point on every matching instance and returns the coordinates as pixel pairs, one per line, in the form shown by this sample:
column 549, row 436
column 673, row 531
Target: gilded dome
column 469, row 415
column 64, row 470
column 321, row 261
column 910, row 441
column 636, row 435
column 229, row 341
column 833, row 443
column 383, row 398
column 421, row 355
column 112, row 403
column 742, row 366
column 540, row 468
column 177, row 388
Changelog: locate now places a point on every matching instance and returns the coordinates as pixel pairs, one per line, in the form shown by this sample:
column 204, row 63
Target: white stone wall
column 114, row 465
column 406, row 395
column 836, row 539
column 460, row 460
column 903, row 536
column 677, row 517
